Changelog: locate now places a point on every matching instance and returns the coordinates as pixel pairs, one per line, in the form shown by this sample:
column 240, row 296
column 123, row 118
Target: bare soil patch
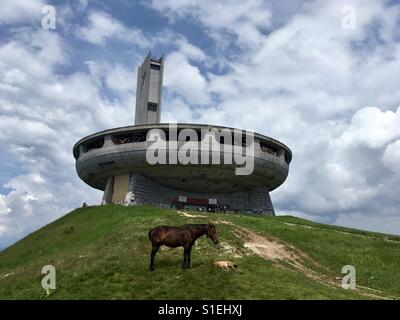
column 284, row 255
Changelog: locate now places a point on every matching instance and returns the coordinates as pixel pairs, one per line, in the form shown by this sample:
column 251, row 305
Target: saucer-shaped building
column 116, row 160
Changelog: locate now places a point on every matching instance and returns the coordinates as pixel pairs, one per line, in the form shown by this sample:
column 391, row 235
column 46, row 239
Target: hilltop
column 102, row 252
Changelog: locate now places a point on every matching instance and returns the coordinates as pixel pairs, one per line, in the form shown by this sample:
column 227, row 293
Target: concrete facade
column 120, row 188
column 149, row 91
column 143, row 190
column 108, row 190
column 101, row 160
column 116, row 162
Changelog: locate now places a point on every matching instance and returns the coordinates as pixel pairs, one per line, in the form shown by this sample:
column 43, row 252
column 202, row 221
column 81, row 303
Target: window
column 155, row 66
column 106, row 164
column 267, row 148
column 129, row 137
column 151, row 106
column 95, row 145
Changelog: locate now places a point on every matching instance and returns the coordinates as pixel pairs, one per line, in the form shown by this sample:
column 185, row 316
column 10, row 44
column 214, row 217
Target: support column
column 108, row 141
column 269, row 202
column 130, row 196
column 108, row 191
column 82, row 150
column 260, row 201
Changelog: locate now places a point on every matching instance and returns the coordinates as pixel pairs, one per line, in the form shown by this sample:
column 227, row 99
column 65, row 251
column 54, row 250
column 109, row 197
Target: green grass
column 103, row 253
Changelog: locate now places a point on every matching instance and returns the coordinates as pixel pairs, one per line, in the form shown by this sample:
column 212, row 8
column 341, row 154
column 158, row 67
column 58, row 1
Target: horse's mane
column 204, row 225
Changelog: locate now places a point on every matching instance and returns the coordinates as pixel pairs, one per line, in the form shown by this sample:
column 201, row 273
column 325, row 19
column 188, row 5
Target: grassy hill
column 103, row 253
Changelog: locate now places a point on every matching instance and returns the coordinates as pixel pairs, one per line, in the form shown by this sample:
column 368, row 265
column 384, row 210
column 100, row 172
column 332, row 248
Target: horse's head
column 212, row 233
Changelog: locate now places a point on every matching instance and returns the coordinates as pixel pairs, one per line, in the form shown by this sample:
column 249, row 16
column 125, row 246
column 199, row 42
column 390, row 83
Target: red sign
column 194, row 201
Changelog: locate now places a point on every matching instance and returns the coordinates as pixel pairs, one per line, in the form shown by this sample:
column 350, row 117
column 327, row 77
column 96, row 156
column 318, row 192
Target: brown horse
column 184, row 236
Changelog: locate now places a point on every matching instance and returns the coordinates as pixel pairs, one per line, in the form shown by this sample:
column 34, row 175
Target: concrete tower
column 149, row 90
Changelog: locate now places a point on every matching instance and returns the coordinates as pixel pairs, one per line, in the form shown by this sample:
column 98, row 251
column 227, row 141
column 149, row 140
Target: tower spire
column 149, row 90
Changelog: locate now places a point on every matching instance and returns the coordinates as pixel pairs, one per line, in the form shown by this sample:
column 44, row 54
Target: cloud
column 372, row 127
column 30, row 204
column 115, row 76
column 246, row 20
column 4, row 209
column 42, row 114
column 16, row 11
column 378, row 223
column 391, row 157
column 102, row 27
column 185, row 79
column 31, row 54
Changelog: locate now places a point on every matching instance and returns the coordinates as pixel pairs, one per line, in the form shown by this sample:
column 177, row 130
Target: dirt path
column 286, row 256
column 280, row 253
column 189, row 215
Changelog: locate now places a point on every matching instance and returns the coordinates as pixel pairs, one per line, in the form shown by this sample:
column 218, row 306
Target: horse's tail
column 150, row 232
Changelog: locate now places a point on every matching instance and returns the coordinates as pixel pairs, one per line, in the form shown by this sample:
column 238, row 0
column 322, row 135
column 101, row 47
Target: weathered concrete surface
column 115, row 160
column 149, row 90
column 108, row 191
column 246, row 192
column 143, row 190
column 95, row 166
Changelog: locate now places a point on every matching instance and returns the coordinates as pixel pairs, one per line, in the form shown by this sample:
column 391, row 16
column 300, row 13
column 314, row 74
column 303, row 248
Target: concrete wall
column 95, row 166
column 149, row 89
column 143, row 190
column 158, row 184
column 120, row 189
column 154, row 86
column 108, row 191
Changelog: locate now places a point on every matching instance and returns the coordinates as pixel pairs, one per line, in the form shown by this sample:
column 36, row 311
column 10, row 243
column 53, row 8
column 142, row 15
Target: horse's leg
column 189, row 256
column 153, row 254
column 185, row 257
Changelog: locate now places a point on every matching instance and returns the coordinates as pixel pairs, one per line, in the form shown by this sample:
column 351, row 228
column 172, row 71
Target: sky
column 320, row 76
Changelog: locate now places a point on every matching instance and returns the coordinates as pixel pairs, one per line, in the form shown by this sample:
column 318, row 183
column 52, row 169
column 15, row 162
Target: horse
column 184, row 236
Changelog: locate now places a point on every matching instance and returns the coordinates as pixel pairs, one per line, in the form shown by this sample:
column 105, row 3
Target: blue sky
column 288, row 69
